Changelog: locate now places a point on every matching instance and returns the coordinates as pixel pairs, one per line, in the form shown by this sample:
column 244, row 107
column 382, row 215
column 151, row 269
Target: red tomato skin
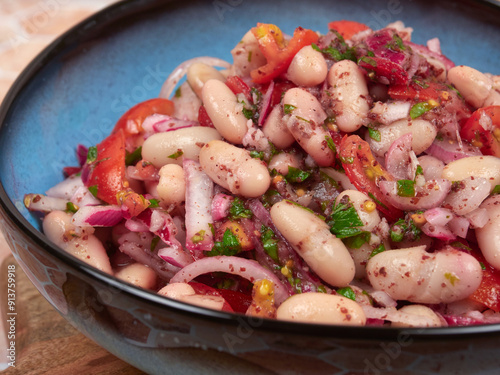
column 357, row 158
column 413, row 91
column 108, row 171
column 473, row 132
column 238, row 86
column 347, row 28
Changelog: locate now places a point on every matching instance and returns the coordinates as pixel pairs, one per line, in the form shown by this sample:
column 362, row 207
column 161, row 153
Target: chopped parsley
column 178, row 93
column 288, row 108
column 257, row 154
column 228, row 246
column 154, row 242
column 238, row 209
column 296, row 175
column 176, row 154
column 419, row 109
column 406, row 188
column 405, row 229
column 133, row 157
column 496, row 190
column 379, row 249
column 331, row 144
column 374, row 134
column 269, row 243
column 153, row 203
column 93, row 190
column 344, row 220
column 368, row 60
column 92, row 154
column 71, row 207
column 347, row 292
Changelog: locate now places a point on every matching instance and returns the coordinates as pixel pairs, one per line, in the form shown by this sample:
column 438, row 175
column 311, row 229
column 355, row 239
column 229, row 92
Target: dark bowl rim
column 87, row 29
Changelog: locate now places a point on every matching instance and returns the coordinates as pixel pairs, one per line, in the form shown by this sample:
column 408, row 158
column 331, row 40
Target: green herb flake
column 331, row 144
column 452, row 278
column 92, row 154
column 321, row 289
column 178, row 93
column 133, row 157
column 347, row 160
column 379, row 249
column 406, row 188
column 288, row 108
column 71, row 207
column 296, row 175
column 496, row 190
column 419, row 109
column 176, row 154
column 368, row 60
column 347, row 292
column 153, row 203
column 257, row 154
column 405, row 229
column 93, row 190
column 154, row 242
column 238, row 209
column 355, row 242
column 419, row 171
column 229, row 245
column 374, row 134
column 344, row 221
column 269, row 242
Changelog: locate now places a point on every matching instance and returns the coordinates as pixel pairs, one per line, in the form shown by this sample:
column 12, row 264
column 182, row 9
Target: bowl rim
column 90, row 28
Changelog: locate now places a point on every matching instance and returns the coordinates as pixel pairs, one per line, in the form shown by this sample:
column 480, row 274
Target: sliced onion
column 98, row 216
column 81, row 154
column 448, row 150
column 266, row 104
column 246, row 268
column 438, row 231
column 66, row 188
column 397, row 159
column 478, row 218
column 43, row 203
column 157, row 123
column 438, row 216
column 83, row 197
column 176, row 257
column 180, row 71
column 220, row 206
column 429, row 196
column 160, row 223
column 459, row 226
column 389, row 112
column 426, row 52
column 383, row 299
column 467, row 195
column 432, row 167
column 199, row 194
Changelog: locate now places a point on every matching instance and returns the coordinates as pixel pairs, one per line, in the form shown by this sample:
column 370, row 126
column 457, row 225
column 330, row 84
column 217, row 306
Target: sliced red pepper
column 278, row 51
column 131, row 121
column 108, row 170
column 488, row 140
column 347, row 28
column 365, row 172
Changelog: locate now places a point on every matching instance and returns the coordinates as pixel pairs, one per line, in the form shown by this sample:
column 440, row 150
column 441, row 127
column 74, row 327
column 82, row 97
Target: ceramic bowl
column 76, row 89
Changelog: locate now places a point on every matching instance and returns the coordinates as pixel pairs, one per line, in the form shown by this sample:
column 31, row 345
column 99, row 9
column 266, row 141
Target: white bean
column 198, row 74
column 468, row 196
column 276, row 131
column 417, row 312
column 308, row 67
column 172, row 185
column 234, row 169
column 321, row 308
column 162, row 148
column 138, row 274
column 415, row 275
column 306, row 125
column 358, row 199
column 488, row 237
column 432, row 166
column 360, row 257
column 340, row 178
column 423, row 133
column 282, row 161
column 474, row 86
column 311, row 238
column 486, row 166
column 350, row 93
column 58, row 228
column 185, row 293
column 224, row 110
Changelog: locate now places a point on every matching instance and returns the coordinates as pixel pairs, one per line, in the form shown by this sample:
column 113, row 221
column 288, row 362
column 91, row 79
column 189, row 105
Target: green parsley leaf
column 92, row 154
column 496, row 190
column 71, row 207
column 229, row 245
column 379, row 249
column 238, row 209
column 405, row 229
column 355, row 242
column 257, row 154
column 374, row 134
column 93, row 190
column 178, row 93
column 406, row 188
column 176, row 154
column 368, row 60
column 347, row 292
column 154, row 242
column 344, row 221
column 331, row 144
column 419, row 109
column 288, row 108
column 133, row 157
column 154, row 203
column 296, row 175
column 419, row 171
column 269, row 243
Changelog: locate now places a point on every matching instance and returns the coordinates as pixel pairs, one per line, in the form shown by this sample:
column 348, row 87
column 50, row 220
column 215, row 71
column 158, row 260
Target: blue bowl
column 75, row 91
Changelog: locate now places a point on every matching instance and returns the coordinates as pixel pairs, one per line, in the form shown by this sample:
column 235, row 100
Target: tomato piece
column 280, row 88
column 278, row 51
column 108, row 170
column 382, row 67
column 69, row 171
column 238, row 86
column 206, row 290
column 203, row 118
column 347, row 28
column 131, row 121
column 365, row 172
column 488, row 140
column 413, row 91
column 238, row 301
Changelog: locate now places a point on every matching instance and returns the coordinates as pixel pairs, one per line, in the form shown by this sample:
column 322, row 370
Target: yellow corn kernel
column 300, row 192
column 418, row 219
column 369, row 206
column 286, row 271
column 277, row 179
column 433, row 103
column 265, row 287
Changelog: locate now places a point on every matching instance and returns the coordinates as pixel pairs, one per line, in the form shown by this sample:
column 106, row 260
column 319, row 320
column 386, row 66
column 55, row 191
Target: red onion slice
column 199, row 193
column 66, row 188
column 157, row 123
column 83, row 197
column 266, row 104
column 438, row 216
column 467, row 195
column 176, row 257
column 448, row 150
column 478, row 218
column 246, row 268
column 220, row 206
column 43, row 203
column 438, row 231
column 397, row 159
column 459, row 226
column 98, row 216
column 431, row 195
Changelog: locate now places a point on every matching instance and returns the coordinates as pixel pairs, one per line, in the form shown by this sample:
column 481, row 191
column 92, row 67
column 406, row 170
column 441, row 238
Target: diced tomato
column 487, row 139
column 365, row 172
column 382, row 67
column 280, row 87
column 278, row 51
column 413, row 91
column 347, row 28
column 238, row 86
column 203, row 118
column 108, row 170
column 131, row 121
column 69, row 171
column 133, row 204
column 233, row 301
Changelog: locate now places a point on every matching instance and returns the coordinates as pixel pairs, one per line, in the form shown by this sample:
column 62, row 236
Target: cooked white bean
column 486, row 166
column 138, row 274
column 172, row 186
column 308, row 67
column 350, row 93
column 360, row 257
column 198, row 74
column 162, row 148
column 340, row 178
column 359, row 200
column 423, row 133
column 185, row 293
column 321, row 308
column 311, row 238
column 418, row 311
column 415, row 275
column 488, row 237
column 474, row 86
column 276, row 131
column 306, row 125
column 282, row 161
column 224, row 110
column 234, row 169
column 432, row 167
column 59, row 229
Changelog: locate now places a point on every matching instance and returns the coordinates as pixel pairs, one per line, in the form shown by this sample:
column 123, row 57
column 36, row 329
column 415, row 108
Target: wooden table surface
column 48, row 345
